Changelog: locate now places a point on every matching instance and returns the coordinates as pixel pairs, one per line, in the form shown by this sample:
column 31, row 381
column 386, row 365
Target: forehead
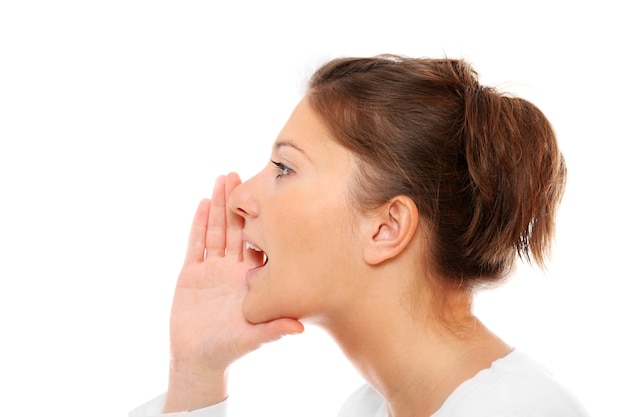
column 305, row 138
column 305, row 132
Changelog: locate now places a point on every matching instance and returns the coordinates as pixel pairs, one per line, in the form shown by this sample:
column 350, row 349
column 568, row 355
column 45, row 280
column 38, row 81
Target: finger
column 234, row 222
column 197, row 234
column 274, row 330
column 216, row 226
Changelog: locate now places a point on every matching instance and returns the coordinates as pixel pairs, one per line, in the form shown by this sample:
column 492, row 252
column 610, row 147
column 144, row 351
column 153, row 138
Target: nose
column 242, row 202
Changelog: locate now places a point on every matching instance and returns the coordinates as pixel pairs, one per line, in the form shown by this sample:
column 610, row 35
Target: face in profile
column 298, row 211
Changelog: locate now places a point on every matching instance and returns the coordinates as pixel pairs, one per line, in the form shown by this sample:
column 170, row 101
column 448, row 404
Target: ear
column 390, row 229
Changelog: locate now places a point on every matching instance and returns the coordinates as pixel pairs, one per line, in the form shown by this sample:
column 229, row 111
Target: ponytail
column 516, row 176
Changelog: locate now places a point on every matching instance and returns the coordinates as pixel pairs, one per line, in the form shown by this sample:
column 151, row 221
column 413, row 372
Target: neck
column 411, row 354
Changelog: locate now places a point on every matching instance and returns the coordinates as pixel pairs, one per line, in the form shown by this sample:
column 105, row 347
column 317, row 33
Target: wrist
column 193, row 386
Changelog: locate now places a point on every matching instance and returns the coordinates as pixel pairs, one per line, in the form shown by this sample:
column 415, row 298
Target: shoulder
column 514, row 386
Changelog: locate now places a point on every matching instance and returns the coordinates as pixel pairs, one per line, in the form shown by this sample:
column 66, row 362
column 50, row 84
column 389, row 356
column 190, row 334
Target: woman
column 396, row 188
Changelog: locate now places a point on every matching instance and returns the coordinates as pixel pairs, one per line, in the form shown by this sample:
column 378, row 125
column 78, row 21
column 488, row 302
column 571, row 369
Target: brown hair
column 482, row 167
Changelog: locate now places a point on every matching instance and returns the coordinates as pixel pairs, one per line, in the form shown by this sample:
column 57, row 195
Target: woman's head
column 483, row 168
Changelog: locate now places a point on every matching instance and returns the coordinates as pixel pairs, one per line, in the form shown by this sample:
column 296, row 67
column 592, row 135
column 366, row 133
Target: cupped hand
column 207, row 328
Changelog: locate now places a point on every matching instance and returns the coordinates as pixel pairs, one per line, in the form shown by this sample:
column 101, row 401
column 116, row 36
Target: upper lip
column 247, row 239
column 250, row 243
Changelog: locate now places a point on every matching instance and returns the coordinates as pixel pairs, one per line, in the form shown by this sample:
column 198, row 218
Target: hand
column 208, row 331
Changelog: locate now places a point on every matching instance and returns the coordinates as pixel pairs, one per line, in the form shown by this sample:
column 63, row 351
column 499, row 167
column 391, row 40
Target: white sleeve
column 154, row 408
column 364, row 402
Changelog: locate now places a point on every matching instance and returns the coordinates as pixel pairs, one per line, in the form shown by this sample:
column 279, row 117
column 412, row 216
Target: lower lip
column 253, row 271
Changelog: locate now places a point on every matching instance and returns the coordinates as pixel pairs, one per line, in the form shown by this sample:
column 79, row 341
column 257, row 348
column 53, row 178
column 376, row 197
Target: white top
column 514, row 386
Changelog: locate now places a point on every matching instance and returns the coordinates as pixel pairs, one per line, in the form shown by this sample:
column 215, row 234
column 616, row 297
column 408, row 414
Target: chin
column 261, row 309
column 256, row 312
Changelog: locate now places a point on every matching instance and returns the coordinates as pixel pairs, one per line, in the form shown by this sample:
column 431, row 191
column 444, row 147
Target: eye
column 282, row 169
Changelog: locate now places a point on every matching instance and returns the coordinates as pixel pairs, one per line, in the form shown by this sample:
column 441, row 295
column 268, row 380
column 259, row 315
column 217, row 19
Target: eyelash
column 282, row 169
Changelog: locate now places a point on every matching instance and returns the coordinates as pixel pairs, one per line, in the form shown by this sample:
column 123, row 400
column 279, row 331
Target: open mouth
column 250, row 245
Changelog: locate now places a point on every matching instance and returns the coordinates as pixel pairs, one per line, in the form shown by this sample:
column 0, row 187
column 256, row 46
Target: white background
column 115, row 117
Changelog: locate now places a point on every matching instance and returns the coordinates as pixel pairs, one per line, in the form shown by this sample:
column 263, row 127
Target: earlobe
column 392, row 228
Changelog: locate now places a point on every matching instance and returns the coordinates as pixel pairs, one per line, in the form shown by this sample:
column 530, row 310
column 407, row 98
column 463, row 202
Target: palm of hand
column 207, row 325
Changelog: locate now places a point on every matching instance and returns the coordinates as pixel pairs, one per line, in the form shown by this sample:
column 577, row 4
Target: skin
column 360, row 276
column 299, row 213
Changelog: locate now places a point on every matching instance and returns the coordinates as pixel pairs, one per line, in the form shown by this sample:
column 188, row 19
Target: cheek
column 310, row 264
column 319, row 256
column 317, row 227
column 313, row 235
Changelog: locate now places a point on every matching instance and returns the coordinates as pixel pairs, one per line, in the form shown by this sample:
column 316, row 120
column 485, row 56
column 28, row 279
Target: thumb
column 275, row 329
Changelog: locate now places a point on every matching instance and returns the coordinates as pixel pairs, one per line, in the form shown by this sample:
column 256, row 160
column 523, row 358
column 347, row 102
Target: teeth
column 251, row 246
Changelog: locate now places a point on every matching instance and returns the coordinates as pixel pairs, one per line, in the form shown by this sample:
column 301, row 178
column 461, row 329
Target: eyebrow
column 287, row 143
